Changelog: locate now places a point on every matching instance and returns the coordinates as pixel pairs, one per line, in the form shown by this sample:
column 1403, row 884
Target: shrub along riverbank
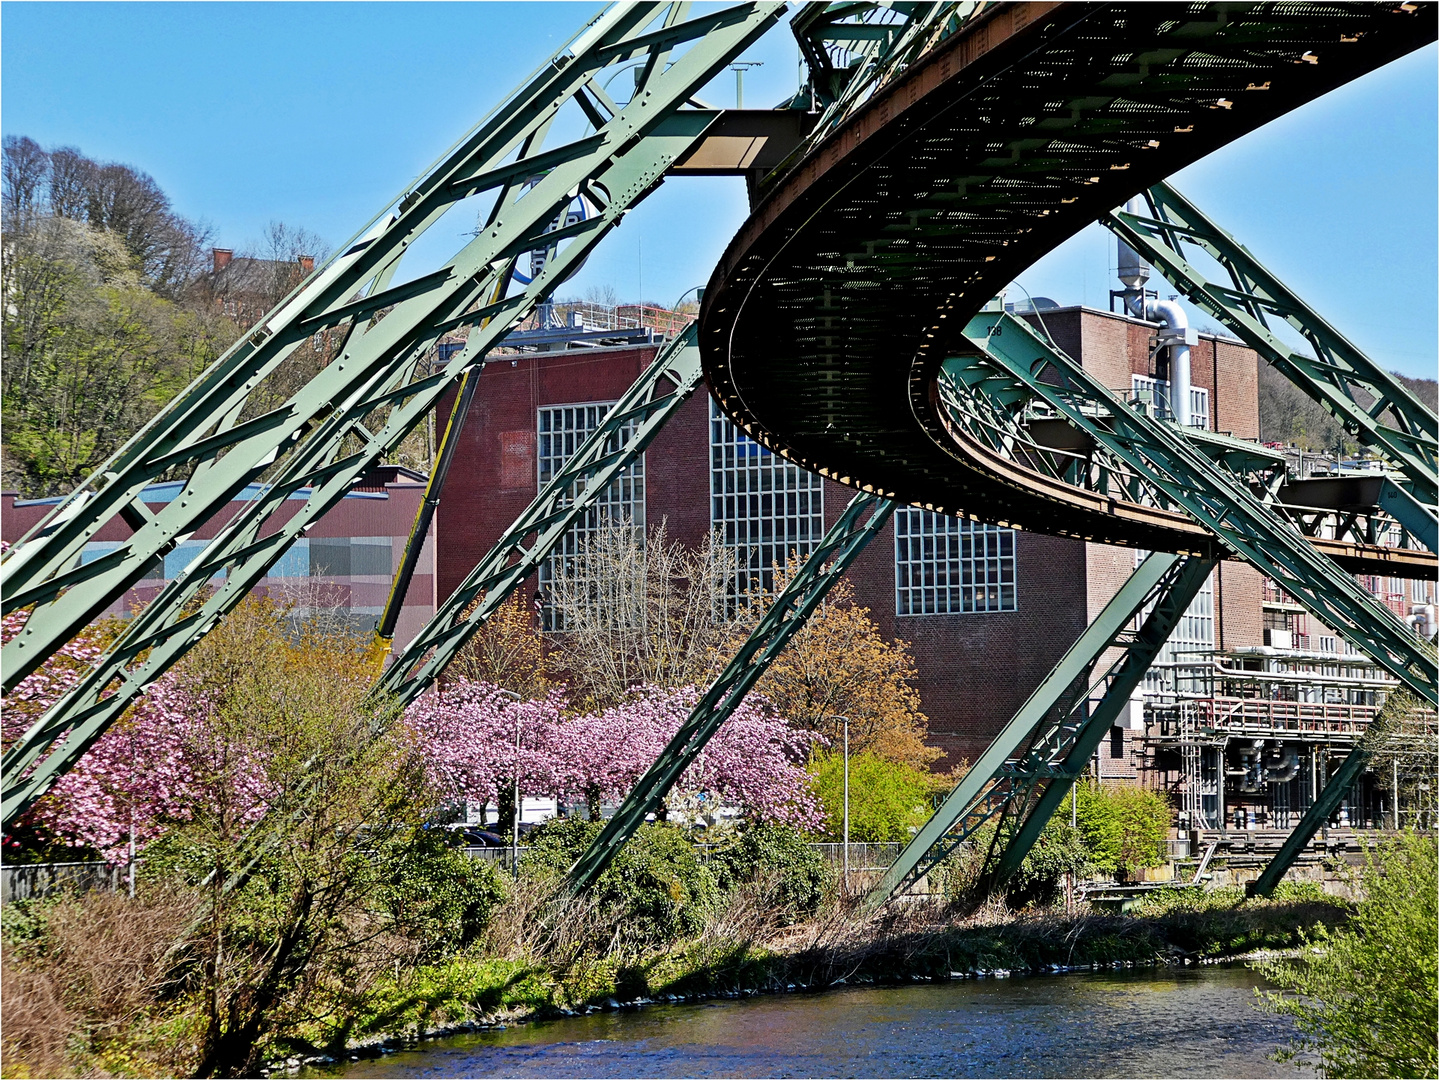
column 94, row 985
column 836, row 947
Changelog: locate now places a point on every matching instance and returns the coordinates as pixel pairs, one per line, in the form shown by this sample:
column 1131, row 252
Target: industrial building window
column 1181, row 663
column 947, row 566
column 1156, row 391
column 766, row 509
column 561, row 430
column 1116, row 742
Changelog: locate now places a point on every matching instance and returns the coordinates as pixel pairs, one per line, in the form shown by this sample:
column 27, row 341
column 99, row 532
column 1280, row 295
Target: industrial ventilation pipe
column 1176, row 335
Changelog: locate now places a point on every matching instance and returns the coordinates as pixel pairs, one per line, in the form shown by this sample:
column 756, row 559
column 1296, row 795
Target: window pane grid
column 946, row 566
column 1156, row 391
column 561, row 430
column 764, row 508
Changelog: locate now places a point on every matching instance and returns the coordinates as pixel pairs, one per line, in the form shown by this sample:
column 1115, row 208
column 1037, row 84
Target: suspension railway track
column 843, row 329
column 825, row 325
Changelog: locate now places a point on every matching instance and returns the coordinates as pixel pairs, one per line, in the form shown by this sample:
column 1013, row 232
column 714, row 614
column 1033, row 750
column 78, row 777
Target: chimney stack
column 307, row 263
column 222, row 257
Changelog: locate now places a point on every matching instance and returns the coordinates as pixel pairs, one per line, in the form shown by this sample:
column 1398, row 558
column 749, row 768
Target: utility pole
column 515, row 819
column 845, row 720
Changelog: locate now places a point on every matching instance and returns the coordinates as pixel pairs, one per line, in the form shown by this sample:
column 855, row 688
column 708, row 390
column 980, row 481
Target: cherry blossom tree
column 467, row 731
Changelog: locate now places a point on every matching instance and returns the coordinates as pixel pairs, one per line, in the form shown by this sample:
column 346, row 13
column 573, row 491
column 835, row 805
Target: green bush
column 1367, row 992
column 656, row 879
column 1058, row 851
column 887, row 800
column 1123, row 828
column 800, row 874
column 436, row 895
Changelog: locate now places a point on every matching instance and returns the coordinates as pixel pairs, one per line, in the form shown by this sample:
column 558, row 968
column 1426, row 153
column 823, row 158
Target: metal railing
column 27, row 881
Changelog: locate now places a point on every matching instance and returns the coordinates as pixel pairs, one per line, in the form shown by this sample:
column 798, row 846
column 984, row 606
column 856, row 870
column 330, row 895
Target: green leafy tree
column 1364, row 996
column 1123, row 828
column 887, row 800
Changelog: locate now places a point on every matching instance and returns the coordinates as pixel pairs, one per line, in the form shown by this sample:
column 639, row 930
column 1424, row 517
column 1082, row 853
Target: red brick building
column 1007, row 605
column 342, row 567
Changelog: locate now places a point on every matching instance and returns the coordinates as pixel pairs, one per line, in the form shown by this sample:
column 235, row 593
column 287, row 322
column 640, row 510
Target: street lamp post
column 515, row 819
column 845, row 720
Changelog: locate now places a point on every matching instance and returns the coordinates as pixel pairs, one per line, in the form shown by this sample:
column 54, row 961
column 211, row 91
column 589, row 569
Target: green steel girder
column 1173, row 473
column 865, row 516
column 1035, row 743
column 1403, row 506
column 1313, row 820
column 362, row 404
column 564, row 499
column 1068, row 756
column 616, row 167
column 1338, row 376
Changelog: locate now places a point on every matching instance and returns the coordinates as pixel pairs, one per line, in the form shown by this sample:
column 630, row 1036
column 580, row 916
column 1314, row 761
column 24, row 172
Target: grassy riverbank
column 923, row 941
column 94, row 985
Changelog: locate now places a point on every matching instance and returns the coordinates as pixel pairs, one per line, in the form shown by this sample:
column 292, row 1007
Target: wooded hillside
column 112, row 306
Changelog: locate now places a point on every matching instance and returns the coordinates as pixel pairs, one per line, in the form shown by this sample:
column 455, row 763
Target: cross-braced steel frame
column 1047, row 743
column 377, row 387
column 522, row 182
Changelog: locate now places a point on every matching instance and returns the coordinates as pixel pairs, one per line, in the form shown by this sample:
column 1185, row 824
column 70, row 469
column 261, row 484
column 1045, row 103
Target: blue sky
column 319, row 114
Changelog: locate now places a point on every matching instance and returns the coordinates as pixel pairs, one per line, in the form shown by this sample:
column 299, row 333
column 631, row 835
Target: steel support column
column 1168, row 471
column 644, row 409
column 1068, row 761
column 360, row 406
column 1338, row 376
column 1067, row 703
column 865, row 516
column 1313, row 820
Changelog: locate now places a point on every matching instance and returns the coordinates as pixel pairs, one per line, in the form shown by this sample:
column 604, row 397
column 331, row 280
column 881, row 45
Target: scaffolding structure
column 1246, row 740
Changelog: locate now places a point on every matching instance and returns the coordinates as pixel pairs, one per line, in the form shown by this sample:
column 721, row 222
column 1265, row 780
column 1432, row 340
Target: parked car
column 473, row 836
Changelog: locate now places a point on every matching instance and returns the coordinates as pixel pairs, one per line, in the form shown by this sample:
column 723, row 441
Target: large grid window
column 1191, row 642
column 765, row 508
column 947, row 566
column 561, row 430
column 1157, row 391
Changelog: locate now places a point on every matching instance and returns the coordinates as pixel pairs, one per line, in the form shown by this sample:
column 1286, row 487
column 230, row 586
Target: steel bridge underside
column 824, row 326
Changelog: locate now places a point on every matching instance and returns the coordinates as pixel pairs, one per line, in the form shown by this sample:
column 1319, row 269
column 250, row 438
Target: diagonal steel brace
column 1167, row 583
column 1338, row 376
column 1178, row 475
column 865, row 516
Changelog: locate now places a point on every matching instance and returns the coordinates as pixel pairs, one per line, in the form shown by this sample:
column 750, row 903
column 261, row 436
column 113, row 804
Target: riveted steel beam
column 1313, row 820
column 362, row 404
column 1372, row 404
column 865, row 516
column 1165, row 469
column 627, row 429
column 1037, row 740
column 1069, row 751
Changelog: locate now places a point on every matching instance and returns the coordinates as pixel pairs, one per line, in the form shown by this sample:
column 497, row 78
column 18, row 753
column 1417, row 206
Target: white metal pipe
column 1176, row 322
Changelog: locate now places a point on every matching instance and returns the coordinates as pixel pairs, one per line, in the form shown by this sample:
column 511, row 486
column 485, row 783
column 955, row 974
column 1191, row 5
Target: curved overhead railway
column 846, row 328
column 824, row 328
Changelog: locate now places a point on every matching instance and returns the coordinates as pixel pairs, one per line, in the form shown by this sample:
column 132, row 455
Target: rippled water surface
column 1123, row 1024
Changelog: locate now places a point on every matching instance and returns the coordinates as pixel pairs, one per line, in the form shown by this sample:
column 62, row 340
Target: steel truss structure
column 1372, row 405
column 954, row 79
column 1044, row 748
column 865, row 516
column 376, row 389
column 655, row 396
column 1165, row 469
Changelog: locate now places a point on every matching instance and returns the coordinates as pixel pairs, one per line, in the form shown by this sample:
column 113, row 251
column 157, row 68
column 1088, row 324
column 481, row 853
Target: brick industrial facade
column 975, row 669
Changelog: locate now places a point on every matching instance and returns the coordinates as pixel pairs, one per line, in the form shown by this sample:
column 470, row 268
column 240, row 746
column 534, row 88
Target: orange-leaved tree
column 507, row 651
column 839, row 665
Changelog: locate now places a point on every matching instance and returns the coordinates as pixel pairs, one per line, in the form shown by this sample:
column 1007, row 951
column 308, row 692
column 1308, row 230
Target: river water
column 1181, row 1022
